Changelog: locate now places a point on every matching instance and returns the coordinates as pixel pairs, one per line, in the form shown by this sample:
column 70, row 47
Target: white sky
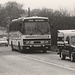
column 54, row 4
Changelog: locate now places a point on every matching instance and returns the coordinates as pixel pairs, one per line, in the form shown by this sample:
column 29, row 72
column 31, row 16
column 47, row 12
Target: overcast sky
column 54, row 4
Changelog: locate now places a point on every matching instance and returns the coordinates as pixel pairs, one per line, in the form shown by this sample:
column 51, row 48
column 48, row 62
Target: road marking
column 50, row 63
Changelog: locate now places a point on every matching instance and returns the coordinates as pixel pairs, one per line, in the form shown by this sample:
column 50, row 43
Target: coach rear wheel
column 19, row 48
column 12, row 46
column 72, row 57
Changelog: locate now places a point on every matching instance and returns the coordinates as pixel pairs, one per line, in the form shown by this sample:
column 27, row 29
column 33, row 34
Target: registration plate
column 37, row 45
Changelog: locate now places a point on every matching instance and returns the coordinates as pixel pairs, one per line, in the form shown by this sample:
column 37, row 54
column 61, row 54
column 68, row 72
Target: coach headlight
column 42, row 42
column 26, row 42
column 47, row 42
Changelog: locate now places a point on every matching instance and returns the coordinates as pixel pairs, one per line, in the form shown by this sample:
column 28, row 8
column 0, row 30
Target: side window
column 15, row 26
column 12, row 27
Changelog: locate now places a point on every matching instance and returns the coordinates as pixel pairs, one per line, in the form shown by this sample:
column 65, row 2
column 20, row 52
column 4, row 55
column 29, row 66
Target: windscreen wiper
column 41, row 31
column 32, row 31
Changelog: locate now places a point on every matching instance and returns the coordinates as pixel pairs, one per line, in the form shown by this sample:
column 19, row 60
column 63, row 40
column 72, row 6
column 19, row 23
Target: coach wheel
column 19, row 47
column 72, row 57
column 62, row 56
column 12, row 46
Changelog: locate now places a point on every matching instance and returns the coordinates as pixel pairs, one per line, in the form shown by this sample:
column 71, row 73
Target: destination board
column 36, row 20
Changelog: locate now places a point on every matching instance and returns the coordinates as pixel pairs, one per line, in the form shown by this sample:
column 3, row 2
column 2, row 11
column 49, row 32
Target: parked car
column 3, row 41
column 68, row 47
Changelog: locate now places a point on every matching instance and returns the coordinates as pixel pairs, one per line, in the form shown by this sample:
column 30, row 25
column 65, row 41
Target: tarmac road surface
column 35, row 63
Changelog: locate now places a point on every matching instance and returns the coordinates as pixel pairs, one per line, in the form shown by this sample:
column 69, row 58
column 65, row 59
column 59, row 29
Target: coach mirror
column 67, row 40
column 20, row 27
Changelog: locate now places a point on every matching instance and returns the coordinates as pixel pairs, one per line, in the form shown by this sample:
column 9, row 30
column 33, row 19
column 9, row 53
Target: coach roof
column 36, row 17
column 25, row 18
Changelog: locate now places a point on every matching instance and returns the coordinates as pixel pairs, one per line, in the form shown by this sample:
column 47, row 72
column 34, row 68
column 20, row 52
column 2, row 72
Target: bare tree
column 9, row 11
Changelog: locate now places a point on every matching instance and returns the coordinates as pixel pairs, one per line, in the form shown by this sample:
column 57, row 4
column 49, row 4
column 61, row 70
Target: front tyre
column 62, row 56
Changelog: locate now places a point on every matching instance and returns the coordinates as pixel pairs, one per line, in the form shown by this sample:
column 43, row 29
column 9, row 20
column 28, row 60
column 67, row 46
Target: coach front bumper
column 37, row 47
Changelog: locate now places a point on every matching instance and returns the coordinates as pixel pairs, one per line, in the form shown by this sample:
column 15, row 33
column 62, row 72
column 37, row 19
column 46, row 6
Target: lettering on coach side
column 14, row 35
column 37, row 36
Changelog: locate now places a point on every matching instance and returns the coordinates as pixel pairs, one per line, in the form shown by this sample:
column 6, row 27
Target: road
column 36, row 63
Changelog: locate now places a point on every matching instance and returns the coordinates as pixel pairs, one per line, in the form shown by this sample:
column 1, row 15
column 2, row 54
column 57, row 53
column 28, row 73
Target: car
column 3, row 42
column 68, row 48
